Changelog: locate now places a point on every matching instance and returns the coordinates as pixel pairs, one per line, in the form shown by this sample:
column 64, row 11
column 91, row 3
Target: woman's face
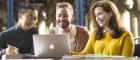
column 102, row 17
column 28, row 20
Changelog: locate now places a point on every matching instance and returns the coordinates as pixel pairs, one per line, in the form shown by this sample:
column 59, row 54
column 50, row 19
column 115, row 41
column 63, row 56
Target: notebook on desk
column 51, row 45
column 92, row 56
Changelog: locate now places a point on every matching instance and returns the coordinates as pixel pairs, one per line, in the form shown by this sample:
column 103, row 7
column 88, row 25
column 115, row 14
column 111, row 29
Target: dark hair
column 24, row 7
column 108, row 6
column 64, row 5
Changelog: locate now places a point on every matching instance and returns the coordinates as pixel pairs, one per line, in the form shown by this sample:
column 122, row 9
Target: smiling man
column 78, row 35
column 18, row 39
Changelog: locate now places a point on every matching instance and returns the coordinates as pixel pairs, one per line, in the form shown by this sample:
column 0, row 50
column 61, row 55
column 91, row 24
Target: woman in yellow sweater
column 109, row 37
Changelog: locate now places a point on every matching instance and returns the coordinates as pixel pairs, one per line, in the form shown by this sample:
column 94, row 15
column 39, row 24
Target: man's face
column 63, row 17
column 28, row 20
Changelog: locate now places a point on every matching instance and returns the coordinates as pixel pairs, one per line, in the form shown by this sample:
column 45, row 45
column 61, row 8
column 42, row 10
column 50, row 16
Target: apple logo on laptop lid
column 51, row 46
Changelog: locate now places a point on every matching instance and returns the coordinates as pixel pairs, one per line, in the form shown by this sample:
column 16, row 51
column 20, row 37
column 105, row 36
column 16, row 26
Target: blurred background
column 129, row 9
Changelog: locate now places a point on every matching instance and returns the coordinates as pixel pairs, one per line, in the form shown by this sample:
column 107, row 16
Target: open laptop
column 51, row 45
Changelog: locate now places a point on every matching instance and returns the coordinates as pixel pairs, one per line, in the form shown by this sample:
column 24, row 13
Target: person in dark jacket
column 18, row 38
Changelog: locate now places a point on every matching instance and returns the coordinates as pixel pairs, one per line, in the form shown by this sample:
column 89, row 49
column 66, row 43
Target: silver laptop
column 51, row 45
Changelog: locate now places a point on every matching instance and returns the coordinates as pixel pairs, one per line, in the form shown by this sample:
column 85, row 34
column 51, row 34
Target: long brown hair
column 107, row 6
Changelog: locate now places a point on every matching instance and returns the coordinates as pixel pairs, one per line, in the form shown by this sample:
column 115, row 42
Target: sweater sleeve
column 89, row 48
column 2, row 45
column 128, row 45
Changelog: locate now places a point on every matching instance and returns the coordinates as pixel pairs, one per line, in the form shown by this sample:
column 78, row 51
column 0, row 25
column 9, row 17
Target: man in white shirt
column 78, row 35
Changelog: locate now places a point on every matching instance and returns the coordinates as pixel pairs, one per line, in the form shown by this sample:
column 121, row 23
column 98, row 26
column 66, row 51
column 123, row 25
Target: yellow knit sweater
column 122, row 46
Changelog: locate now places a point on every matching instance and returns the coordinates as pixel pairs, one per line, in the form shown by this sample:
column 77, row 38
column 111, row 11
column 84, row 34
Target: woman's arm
column 89, row 46
column 128, row 45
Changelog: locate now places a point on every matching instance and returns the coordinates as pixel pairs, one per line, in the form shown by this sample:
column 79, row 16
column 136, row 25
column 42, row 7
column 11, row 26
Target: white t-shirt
column 72, row 35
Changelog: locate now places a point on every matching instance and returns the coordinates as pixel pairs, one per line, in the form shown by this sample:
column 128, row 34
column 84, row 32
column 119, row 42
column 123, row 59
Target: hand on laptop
column 11, row 50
